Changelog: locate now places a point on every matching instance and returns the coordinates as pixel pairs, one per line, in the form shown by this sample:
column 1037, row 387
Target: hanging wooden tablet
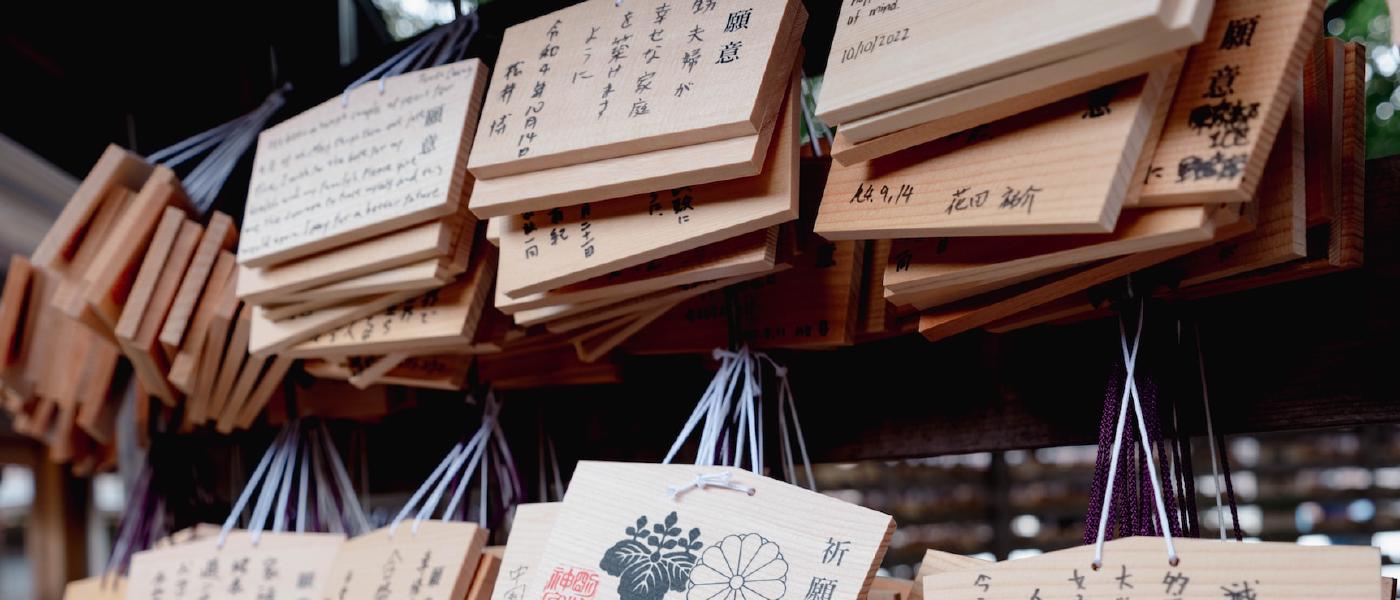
column 248, row 376
column 935, row 562
column 1335, row 245
column 546, row 364
column 717, row 530
column 1060, row 169
column 484, row 581
column 849, row 152
column 212, row 356
column 437, row 562
column 268, row 385
column 71, row 295
column 1138, row 566
column 975, row 44
column 101, row 390
column 874, row 314
column 596, row 341
column 928, row 264
column 113, row 270
column 184, row 366
column 403, row 247
column 529, row 531
column 814, row 304
column 366, row 371
column 1323, row 90
column 150, row 300
column 279, row 565
column 1280, row 234
column 271, row 337
column 1345, row 249
column 598, row 80
column 946, row 321
column 927, row 120
column 235, row 354
column 420, row 276
column 101, row 587
column 433, row 322
column 1234, row 92
column 623, row 176
column 116, row 168
column 377, row 159
column 565, row 319
column 752, row 252
column 15, row 312
column 219, row 236
column 542, row 251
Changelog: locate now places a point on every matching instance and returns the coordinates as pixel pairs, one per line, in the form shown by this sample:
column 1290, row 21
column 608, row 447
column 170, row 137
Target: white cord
column 722, row 479
column 1130, row 393
column 1210, row 435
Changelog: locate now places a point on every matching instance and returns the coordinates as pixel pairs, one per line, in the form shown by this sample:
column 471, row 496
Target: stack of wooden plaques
column 356, row 240
column 126, row 272
column 632, row 156
column 993, row 60
column 60, row 362
column 1310, row 218
column 1021, row 212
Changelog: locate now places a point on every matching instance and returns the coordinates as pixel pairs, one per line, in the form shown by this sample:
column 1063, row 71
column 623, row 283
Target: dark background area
column 145, row 75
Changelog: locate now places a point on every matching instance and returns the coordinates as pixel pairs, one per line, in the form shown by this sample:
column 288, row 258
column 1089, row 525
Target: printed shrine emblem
column 740, row 567
column 650, row 562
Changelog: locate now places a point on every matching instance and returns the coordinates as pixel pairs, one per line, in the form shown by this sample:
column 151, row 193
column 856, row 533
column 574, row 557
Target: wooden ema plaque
column 152, row 294
column 420, row 242
column 623, row 176
column 749, row 253
column 927, row 264
column 544, row 251
column 985, row 181
column 1231, row 102
column 435, row 563
column 433, row 322
column 116, row 168
column 815, row 304
column 873, row 67
column 376, row 159
column 280, row 565
column 946, row 321
column 529, row 531
column 1279, row 235
column 599, row 80
column 111, row 274
column 1138, row 567
column 619, row 535
column 927, row 120
column 102, row 587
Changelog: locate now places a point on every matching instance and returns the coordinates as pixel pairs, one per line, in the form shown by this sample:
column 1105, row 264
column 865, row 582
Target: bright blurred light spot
column 407, row 18
column 1016, row 457
column 984, row 556
column 1026, row 526
column 1360, row 511
column 1388, row 542
column 1336, row 26
column 1350, row 478
column 1307, row 516
column 108, row 493
column 1315, row 539
column 1379, row 25
column 1384, row 110
column 1023, row 553
column 1244, row 451
column 1385, row 60
column 16, row 487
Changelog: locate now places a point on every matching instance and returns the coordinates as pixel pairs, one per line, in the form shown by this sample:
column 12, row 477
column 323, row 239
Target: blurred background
column 145, row 75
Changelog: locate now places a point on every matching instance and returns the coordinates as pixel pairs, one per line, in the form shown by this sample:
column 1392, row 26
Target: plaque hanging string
column 1130, row 393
